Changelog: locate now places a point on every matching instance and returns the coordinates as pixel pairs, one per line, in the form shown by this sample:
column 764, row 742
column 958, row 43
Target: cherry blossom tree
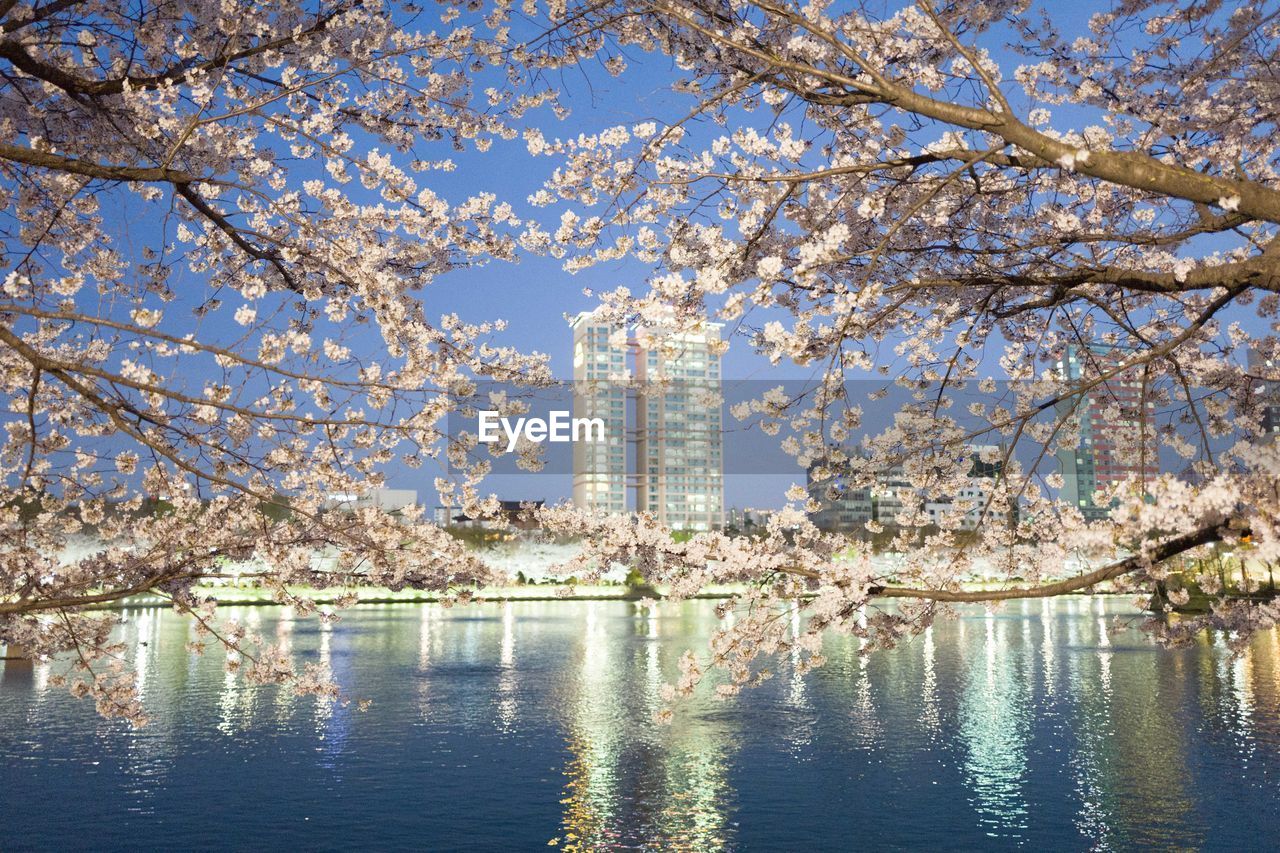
column 220, row 219
column 216, row 227
column 953, row 194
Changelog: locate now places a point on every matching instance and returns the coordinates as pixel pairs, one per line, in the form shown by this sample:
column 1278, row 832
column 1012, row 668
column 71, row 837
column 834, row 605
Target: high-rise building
column 678, row 471
column 1117, row 439
column 1269, row 390
column 600, row 376
column 679, row 431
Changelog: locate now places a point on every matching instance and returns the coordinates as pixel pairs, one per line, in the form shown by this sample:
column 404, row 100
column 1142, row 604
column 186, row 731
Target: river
column 515, row 725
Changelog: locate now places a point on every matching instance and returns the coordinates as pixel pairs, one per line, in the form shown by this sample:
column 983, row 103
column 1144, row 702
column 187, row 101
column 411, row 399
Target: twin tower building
column 661, row 403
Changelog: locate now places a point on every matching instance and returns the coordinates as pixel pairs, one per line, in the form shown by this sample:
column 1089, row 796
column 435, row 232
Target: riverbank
column 253, row 596
column 250, row 596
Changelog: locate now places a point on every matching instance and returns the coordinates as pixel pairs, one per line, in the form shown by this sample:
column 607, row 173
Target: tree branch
column 1163, row 551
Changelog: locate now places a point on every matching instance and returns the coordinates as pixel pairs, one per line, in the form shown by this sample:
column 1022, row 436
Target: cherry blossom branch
column 1159, row 553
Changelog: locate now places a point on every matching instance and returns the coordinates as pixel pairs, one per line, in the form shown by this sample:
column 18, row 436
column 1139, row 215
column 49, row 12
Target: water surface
column 514, row 725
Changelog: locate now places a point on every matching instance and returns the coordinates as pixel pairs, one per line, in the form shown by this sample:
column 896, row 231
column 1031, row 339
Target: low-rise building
column 842, row 508
column 846, row 509
column 513, row 513
column 387, row 500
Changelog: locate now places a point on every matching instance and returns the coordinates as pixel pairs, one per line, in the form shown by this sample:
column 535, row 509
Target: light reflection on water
column 520, row 723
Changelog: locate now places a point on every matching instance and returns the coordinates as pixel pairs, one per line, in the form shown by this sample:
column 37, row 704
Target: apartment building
column 1269, row 390
column 1117, row 439
column 846, row 509
column 671, row 413
column 601, row 373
